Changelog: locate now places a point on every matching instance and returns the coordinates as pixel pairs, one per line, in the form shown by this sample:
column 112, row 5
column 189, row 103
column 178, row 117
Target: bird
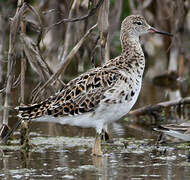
column 101, row 95
column 180, row 131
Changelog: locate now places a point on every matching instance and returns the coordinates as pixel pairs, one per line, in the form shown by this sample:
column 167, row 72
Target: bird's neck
column 133, row 56
column 130, row 43
column 131, row 60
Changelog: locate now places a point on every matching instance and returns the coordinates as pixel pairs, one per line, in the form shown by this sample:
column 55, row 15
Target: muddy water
column 64, row 152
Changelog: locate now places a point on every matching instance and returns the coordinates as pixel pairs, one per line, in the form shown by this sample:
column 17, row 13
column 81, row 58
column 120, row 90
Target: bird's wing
column 80, row 95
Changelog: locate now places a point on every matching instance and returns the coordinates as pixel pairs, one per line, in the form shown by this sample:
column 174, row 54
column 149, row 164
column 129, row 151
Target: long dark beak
column 154, row 30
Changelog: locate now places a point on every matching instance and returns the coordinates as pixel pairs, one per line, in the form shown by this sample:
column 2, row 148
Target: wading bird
column 101, row 95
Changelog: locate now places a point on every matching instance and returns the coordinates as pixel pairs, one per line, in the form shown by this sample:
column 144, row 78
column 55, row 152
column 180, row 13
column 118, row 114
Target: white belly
column 113, row 112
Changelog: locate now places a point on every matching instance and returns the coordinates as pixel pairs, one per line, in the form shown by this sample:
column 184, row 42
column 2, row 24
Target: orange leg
column 96, row 150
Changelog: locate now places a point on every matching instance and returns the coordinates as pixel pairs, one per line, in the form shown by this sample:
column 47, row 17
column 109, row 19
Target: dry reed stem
column 2, row 44
column 35, row 59
column 24, row 131
column 65, row 49
column 103, row 27
column 181, row 65
column 23, row 63
column 178, row 14
column 14, row 27
column 93, row 52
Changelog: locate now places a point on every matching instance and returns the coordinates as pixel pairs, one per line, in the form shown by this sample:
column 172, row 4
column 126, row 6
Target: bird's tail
column 33, row 111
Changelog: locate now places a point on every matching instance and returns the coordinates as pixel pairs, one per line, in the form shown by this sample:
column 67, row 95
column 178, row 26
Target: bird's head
column 135, row 25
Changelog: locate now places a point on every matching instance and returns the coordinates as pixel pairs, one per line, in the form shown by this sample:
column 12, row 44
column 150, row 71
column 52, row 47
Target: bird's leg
column 106, row 136
column 96, row 150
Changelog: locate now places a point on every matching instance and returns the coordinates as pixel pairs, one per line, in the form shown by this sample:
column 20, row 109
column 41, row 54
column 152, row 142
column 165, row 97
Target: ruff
column 103, row 94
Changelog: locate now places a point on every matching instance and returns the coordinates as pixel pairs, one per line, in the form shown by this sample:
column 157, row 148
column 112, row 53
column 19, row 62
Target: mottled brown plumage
column 104, row 94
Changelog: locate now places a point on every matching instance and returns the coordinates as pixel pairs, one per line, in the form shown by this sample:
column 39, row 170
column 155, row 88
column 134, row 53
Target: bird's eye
column 138, row 23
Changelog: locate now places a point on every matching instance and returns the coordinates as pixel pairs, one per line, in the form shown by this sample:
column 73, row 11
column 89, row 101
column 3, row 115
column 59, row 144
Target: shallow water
column 130, row 157
column 64, row 152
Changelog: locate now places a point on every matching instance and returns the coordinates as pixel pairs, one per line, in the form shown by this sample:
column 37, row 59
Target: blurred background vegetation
column 34, row 49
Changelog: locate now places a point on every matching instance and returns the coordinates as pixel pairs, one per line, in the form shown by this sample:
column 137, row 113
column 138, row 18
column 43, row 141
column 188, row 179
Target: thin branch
column 5, row 138
column 90, row 13
column 157, row 107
